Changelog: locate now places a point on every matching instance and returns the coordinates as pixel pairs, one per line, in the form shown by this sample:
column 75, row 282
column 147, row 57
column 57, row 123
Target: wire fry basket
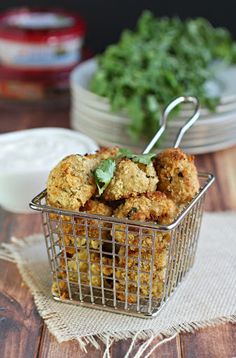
column 120, row 265
column 92, row 269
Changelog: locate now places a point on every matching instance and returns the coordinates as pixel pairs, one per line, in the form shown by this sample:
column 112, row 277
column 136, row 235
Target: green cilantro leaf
column 124, row 153
column 143, row 158
column 137, row 158
column 103, row 174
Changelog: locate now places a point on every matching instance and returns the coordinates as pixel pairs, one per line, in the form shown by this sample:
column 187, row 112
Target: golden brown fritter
column 141, row 267
column 87, row 276
column 132, row 297
column 95, row 267
column 71, row 186
column 91, row 233
column 155, row 207
column 177, row 175
column 131, row 179
column 97, row 207
column 107, row 152
column 62, row 290
column 104, row 153
column 71, row 183
column 148, row 207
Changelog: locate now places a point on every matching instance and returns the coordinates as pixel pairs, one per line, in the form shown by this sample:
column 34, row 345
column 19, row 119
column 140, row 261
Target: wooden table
column 23, row 333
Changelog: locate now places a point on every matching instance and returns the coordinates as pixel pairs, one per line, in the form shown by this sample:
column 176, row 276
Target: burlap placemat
column 206, row 297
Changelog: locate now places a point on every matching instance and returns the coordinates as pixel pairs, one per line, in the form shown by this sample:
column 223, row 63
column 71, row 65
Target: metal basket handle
column 183, row 129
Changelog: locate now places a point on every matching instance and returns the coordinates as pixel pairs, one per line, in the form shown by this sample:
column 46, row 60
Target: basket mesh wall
column 119, row 266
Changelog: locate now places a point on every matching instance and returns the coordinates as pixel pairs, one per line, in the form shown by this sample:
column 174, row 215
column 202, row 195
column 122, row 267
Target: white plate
column 92, row 115
column 196, row 144
column 111, row 117
column 223, row 85
column 222, row 125
column 218, row 145
column 167, row 140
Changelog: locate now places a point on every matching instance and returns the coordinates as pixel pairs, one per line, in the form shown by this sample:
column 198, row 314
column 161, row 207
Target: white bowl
column 26, row 158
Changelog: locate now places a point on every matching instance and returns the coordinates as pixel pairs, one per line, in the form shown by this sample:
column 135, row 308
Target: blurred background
column 51, row 76
column 107, row 19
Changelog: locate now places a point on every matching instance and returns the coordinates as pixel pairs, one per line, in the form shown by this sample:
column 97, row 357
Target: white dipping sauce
column 26, row 158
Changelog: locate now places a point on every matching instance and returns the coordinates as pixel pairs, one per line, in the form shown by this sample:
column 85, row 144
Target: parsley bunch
column 162, row 59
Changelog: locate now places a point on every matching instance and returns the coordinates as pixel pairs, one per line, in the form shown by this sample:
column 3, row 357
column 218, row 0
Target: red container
column 38, row 50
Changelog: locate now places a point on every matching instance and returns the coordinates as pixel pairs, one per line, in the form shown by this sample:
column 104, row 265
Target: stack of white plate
column 92, row 115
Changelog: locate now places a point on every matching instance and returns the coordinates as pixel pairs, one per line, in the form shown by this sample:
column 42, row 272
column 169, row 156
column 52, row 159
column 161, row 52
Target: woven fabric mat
column 207, row 296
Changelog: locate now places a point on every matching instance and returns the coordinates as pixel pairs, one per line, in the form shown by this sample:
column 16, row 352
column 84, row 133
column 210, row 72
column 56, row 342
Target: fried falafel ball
column 131, row 179
column 87, row 276
column 71, row 183
column 141, row 267
column 144, row 292
column 148, row 248
column 107, row 152
column 94, row 231
column 149, row 207
column 104, row 153
column 177, row 175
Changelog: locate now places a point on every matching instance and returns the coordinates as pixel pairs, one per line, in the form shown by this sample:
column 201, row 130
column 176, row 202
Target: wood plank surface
column 20, row 324
column 210, row 342
column 23, row 333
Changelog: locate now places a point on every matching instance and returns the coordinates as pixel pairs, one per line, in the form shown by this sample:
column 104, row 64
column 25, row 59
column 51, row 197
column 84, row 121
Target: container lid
column 40, row 25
